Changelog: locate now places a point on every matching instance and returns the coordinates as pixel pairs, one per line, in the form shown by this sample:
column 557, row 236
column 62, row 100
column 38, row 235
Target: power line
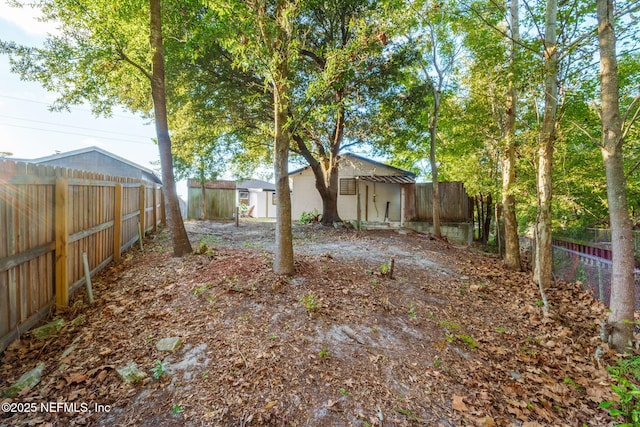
column 75, row 133
column 71, row 108
column 71, row 126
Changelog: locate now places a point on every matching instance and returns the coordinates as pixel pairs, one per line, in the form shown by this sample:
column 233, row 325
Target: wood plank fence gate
column 49, row 217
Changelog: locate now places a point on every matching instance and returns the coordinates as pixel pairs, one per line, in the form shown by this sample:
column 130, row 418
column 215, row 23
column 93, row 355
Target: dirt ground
column 449, row 339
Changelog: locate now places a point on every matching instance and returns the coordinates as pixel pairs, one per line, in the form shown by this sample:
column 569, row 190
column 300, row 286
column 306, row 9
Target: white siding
column 305, row 196
column 262, row 202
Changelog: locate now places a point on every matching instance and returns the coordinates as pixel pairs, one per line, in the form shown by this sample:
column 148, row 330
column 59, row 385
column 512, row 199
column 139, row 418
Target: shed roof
column 255, row 184
column 400, row 172
column 389, row 179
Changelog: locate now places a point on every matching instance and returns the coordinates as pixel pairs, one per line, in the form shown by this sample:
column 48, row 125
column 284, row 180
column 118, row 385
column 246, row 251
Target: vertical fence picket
column 49, row 216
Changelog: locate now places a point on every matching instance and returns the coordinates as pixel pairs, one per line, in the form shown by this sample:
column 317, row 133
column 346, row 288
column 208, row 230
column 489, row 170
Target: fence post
column 62, row 241
column 143, row 210
column 155, row 208
column 117, row 223
column 163, row 208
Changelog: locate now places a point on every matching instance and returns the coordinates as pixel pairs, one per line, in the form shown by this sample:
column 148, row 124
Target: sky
column 29, row 130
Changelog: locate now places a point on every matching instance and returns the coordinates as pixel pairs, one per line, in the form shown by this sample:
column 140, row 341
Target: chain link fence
column 592, row 271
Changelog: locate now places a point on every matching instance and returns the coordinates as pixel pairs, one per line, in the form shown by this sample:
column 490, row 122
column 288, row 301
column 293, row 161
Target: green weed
column 159, row 369
column 627, row 406
column 469, row 340
column 310, row 302
column 449, row 325
column 200, row 289
column 412, row 311
column 324, row 352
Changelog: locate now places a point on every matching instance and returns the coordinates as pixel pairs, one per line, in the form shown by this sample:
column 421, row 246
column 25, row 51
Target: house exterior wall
column 373, row 196
column 263, row 201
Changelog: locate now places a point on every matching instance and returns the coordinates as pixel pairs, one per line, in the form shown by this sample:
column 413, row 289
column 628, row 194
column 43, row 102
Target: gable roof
column 148, row 173
column 400, row 172
column 255, row 184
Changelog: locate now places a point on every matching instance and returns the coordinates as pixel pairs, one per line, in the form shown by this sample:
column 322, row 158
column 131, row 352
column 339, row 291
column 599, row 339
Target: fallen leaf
column 457, row 404
column 486, row 422
column 76, row 377
column 270, row 405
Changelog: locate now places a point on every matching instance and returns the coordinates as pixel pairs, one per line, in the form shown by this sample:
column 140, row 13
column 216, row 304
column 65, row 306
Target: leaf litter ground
column 453, row 339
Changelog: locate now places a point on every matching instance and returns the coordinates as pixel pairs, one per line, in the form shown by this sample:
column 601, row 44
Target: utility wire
column 71, row 108
column 71, row 126
column 77, row 134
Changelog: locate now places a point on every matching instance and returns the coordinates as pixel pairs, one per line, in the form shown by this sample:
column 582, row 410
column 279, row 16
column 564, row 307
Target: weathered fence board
column 219, row 198
column 49, row 217
column 454, row 202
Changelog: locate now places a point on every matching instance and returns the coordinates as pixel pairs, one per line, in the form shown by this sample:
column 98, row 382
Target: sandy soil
column 451, row 339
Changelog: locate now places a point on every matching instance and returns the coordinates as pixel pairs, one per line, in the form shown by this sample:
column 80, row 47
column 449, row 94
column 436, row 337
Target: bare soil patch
column 451, row 340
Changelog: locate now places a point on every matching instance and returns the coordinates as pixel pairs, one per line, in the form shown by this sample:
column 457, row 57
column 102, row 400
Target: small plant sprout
column 159, row 369
column 469, row 340
column 384, row 269
column 310, row 302
column 200, row 289
column 412, row 311
column 177, row 409
column 324, row 352
column 344, row 392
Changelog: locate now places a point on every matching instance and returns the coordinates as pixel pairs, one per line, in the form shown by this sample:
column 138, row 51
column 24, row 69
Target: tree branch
column 139, row 67
column 319, row 61
column 586, row 132
column 626, row 126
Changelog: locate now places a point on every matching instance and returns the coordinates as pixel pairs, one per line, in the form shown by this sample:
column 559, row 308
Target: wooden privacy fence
column 219, row 200
column 49, row 217
column 455, row 205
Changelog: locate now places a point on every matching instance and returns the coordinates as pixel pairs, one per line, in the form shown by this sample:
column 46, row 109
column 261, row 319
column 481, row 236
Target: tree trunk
column 486, row 226
column 327, row 185
column 283, row 261
column 511, row 239
column 204, row 202
column 545, row 150
column 622, row 281
column 181, row 244
column 433, row 132
column 325, row 167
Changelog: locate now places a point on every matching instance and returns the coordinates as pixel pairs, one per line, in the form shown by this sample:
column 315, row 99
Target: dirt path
column 450, row 340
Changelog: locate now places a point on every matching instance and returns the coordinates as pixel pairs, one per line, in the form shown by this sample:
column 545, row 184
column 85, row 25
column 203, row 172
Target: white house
column 258, row 196
column 378, row 192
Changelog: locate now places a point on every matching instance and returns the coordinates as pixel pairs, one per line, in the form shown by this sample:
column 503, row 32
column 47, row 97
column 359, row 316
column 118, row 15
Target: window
column 244, row 197
column 348, row 186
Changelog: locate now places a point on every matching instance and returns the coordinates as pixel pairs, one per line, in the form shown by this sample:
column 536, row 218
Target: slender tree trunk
column 486, row 226
column 181, row 244
column 283, row 262
column 622, row 281
column 203, row 194
column 545, row 149
column 433, row 132
column 511, row 240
